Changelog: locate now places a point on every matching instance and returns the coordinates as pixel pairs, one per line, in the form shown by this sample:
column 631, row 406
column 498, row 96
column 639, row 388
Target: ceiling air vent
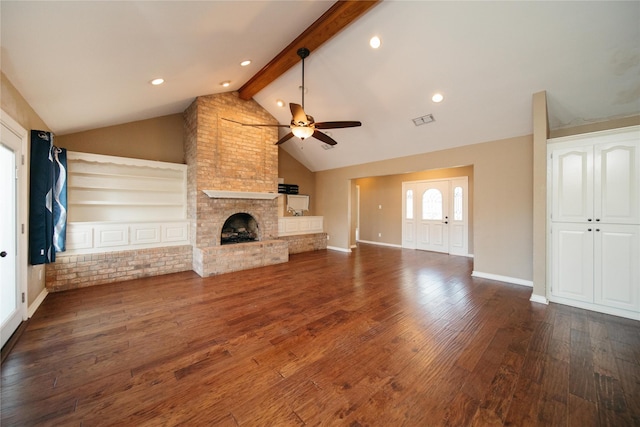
column 418, row 121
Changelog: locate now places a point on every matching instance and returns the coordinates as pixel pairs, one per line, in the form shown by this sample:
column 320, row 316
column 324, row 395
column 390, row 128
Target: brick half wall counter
column 79, row 271
column 305, row 242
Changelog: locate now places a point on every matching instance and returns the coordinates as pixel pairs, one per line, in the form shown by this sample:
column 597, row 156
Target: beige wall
column 294, row 172
column 387, row 192
column 17, row 107
column 502, row 200
column 157, row 139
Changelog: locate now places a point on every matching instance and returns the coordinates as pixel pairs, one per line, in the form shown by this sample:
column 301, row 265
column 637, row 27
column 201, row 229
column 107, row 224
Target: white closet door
column 572, row 189
column 617, row 266
column 572, row 264
column 617, row 183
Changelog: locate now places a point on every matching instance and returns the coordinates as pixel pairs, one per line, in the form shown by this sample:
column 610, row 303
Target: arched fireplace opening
column 239, row 228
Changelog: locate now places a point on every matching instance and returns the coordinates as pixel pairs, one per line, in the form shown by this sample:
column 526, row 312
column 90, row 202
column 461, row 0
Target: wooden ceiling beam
column 338, row 17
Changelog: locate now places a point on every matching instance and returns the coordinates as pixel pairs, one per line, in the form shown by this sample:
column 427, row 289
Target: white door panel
column 617, row 198
column 433, row 215
column 572, row 268
column 573, row 186
column 617, row 266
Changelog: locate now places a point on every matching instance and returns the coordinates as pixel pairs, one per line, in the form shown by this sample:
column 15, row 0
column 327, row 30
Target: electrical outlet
column 379, row 234
column 327, row 237
column 379, row 206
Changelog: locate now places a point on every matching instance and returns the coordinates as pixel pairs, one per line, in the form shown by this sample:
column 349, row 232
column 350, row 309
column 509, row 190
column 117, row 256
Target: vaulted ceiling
column 85, row 65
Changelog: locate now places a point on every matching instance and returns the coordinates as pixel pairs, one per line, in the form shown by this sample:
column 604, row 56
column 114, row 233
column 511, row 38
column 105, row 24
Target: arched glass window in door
column 409, row 204
column 432, row 204
column 457, row 204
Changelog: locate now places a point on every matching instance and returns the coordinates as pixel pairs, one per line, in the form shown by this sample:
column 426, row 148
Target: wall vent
column 418, row 121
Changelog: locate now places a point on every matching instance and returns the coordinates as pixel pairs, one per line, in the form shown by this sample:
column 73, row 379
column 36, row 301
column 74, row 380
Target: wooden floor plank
column 378, row 337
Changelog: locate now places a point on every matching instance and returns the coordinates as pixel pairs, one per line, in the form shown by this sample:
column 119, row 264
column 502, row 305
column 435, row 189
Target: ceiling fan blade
column 258, row 124
column 336, row 125
column 299, row 116
column 285, row 138
column 323, row 137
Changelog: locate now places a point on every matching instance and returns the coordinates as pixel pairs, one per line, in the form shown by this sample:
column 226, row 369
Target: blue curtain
column 48, row 199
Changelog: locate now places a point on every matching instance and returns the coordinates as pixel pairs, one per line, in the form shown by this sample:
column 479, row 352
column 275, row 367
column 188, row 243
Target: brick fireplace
column 232, row 169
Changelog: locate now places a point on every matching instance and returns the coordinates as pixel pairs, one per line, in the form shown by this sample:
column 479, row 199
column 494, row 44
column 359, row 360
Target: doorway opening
column 435, row 215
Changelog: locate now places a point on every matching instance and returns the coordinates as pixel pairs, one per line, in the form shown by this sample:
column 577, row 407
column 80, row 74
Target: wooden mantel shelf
column 216, row 194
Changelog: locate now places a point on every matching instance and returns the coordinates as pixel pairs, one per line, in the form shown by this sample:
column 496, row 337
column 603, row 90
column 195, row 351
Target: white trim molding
column 540, row 299
column 390, row 245
column 506, row 279
column 335, row 248
column 36, row 303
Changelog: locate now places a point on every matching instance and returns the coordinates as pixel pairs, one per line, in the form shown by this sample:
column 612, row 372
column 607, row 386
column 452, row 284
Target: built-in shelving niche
column 117, row 203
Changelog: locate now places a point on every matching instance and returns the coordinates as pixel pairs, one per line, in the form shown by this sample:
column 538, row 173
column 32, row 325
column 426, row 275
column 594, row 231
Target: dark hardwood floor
column 379, row 337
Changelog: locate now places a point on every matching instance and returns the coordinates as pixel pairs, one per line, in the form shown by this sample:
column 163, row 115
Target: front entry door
column 436, row 215
column 433, row 216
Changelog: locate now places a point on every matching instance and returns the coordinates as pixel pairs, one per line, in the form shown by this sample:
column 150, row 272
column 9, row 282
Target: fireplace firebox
column 239, row 228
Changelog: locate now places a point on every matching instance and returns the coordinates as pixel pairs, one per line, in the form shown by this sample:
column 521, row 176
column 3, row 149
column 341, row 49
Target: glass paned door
column 10, row 304
column 433, row 231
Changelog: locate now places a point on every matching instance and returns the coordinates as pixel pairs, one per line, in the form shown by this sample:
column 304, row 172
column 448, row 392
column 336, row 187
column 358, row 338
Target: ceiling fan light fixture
column 302, row 132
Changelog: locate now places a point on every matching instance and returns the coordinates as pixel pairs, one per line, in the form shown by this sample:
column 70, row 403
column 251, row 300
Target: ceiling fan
column 304, row 126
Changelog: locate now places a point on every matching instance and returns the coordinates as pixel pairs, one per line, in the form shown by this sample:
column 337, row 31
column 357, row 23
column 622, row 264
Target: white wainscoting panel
column 145, row 233
column 111, row 235
column 292, row 225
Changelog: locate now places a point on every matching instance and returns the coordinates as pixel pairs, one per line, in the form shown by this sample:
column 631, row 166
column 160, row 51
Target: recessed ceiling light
column 225, row 84
column 437, row 97
column 157, row 82
column 280, row 103
column 245, row 63
column 374, row 42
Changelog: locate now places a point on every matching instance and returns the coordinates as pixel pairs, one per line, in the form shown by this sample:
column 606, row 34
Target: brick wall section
column 190, row 155
column 79, row 271
column 229, row 156
column 223, row 155
column 305, row 242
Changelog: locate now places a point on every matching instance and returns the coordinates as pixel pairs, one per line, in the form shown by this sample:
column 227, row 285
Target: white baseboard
column 335, row 248
column 499, row 278
column 391, row 245
column 541, row 299
column 36, row 303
